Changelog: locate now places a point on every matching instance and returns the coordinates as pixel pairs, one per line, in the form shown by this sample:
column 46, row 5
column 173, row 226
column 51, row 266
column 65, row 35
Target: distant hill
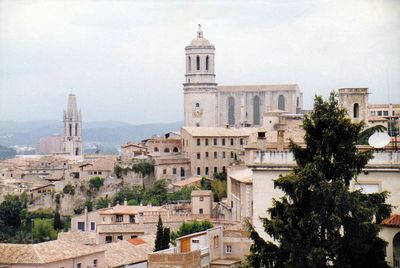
column 100, row 133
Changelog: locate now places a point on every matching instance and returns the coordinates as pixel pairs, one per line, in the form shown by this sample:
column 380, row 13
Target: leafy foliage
column 219, row 188
column 182, row 194
column 95, row 183
column 102, row 202
column 57, row 223
column 143, row 167
column 205, row 184
column 156, row 194
column 126, row 193
column 69, row 189
column 43, row 230
column 191, row 227
column 319, row 222
column 366, row 133
column 10, row 210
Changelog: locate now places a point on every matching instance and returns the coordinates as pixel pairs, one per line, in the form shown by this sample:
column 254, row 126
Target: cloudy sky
column 125, row 59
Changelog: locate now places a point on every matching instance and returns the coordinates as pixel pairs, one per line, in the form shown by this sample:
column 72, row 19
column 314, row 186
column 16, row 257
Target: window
column 195, row 241
column 174, row 171
column 232, row 155
column 231, row 111
column 232, row 142
column 198, row 171
column 241, row 141
column 228, row 249
column 120, row 237
column 164, row 171
column 379, row 113
column 215, row 143
column 182, row 172
column 216, row 241
column 206, row 141
column 223, row 155
column 198, row 142
column 95, row 263
column 200, row 211
column 256, row 111
column 132, row 218
column 175, row 150
column 197, row 105
column 81, row 226
column 70, row 129
column 189, row 64
column 223, row 170
column 166, row 150
column 385, row 113
column 356, row 111
column 215, row 169
column 198, row 63
column 155, row 149
column 76, row 129
column 206, row 154
column 198, row 155
column 134, row 236
column 92, row 226
column 281, row 102
column 206, row 173
column 108, row 239
column 201, row 198
column 223, row 142
column 207, row 63
column 215, row 155
column 78, row 265
column 119, row 218
column 373, row 113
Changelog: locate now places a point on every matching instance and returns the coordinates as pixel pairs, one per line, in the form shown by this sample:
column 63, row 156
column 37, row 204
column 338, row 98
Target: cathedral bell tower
column 72, row 119
column 200, row 89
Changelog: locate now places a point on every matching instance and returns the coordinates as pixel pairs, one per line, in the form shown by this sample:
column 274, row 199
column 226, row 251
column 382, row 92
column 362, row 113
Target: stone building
column 208, row 105
column 72, row 119
column 50, row 145
column 212, row 149
column 202, row 203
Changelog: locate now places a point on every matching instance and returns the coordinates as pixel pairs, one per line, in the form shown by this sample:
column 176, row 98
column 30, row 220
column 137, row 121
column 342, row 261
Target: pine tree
column 57, row 223
column 166, row 238
column 319, row 222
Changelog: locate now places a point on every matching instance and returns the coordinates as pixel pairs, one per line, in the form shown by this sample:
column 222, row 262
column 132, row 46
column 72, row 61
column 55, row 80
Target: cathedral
column 208, row 104
column 72, row 119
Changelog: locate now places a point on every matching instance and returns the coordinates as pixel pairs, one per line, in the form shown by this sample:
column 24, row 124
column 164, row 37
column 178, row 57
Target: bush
column 69, row 189
column 95, row 183
column 191, row 227
column 102, row 202
column 126, row 193
column 144, row 168
column 43, row 230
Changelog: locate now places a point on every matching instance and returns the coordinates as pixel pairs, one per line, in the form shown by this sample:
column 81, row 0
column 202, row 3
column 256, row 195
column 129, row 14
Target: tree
column 69, row 189
column 10, row 210
column 162, row 236
column 157, row 194
column 143, row 167
column 95, row 183
column 191, row 227
column 43, row 230
column 126, row 193
column 88, row 204
column 366, row 133
column 319, row 222
column 102, row 202
column 205, row 184
column 57, row 223
column 219, row 189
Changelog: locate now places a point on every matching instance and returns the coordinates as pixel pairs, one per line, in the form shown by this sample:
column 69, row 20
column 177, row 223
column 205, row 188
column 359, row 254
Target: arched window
column 231, row 111
column 155, row 149
column 198, row 63
column 256, row 110
column 396, row 249
column 281, row 102
column 76, row 129
column 70, row 129
column 197, row 105
column 356, row 110
column 298, row 102
column 207, row 63
column 166, row 150
column 182, row 172
column 175, row 150
column 77, row 151
column 189, row 64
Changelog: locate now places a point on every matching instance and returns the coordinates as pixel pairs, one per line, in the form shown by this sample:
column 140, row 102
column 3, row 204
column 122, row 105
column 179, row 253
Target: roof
column 106, row 163
column 392, row 221
column 201, row 193
column 225, row 262
column 239, row 88
column 244, row 175
column 187, row 182
column 125, row 252
column 43, row 186
column 45, row 252
column 129, row 144
column 130, row 210
column 219, row 131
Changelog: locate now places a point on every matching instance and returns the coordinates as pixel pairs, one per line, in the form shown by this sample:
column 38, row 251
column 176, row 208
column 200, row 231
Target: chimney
column 280, row 140
column 86, row 219
column 125, row 202
column 109, row 204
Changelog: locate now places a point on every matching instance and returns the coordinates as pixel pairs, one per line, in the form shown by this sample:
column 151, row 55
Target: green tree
column 219, row 189
column 220, row 176
column 319, row 222
column 366, row 133
column 95, row 183
column 88, row 204
column 126, row 193
column 162, row 236
column 69, row 189
column 157, row 193
column 10, row 210
column 143, row 167
column 205, row 184
column 182, row 194
column 102, row 202
column 190, row 227
column 43, row 230
column 57, row 223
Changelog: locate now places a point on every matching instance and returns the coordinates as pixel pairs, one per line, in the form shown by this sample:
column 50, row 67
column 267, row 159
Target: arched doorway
column 396, row 250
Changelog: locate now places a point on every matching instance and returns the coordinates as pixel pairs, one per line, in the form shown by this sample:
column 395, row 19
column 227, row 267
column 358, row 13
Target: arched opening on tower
column 207, row 63
column 198, row 63
column 76, row 129
column 356, row 110
column 256, row 110
column 175, row 150
column 166, row 150
column 76, row 151
column 189, row 64
column 281, row 102
column 231, row 111
column 70, row 129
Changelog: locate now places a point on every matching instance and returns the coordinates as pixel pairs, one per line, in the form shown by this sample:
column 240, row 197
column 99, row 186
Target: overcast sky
column 125, row 59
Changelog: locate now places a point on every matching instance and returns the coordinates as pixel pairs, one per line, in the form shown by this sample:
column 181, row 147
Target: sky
column 125, row 59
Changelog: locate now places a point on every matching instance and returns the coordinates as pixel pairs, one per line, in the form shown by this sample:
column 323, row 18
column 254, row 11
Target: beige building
column 131, row 152
column 52, row 254
column 202, row 203
column 50, row 145
column 171, row 168
column 212, row 149
column 208, row 105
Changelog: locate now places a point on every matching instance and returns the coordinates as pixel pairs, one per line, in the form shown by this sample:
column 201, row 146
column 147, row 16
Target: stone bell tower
column 200, row 89
column 355, row 101
column 72, row 119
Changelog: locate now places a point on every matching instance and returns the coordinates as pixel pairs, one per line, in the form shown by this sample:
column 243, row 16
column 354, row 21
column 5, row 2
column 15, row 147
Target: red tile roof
column 136, row 241
column 392, row 221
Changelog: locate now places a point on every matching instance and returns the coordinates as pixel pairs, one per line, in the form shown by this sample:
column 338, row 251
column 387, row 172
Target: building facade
column 208, row 105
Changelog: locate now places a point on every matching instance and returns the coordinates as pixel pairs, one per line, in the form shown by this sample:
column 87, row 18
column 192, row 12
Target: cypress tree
column 319, row 222
column 159, row 242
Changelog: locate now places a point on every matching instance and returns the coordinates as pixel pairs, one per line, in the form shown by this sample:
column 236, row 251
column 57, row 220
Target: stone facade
column 209, row 105
column 202, row 202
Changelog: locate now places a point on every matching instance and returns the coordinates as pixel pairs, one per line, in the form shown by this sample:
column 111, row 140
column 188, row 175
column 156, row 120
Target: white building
column 73, row 142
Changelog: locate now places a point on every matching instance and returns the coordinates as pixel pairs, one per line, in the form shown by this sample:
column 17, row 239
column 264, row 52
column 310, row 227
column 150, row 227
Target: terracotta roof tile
column 392, row 221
